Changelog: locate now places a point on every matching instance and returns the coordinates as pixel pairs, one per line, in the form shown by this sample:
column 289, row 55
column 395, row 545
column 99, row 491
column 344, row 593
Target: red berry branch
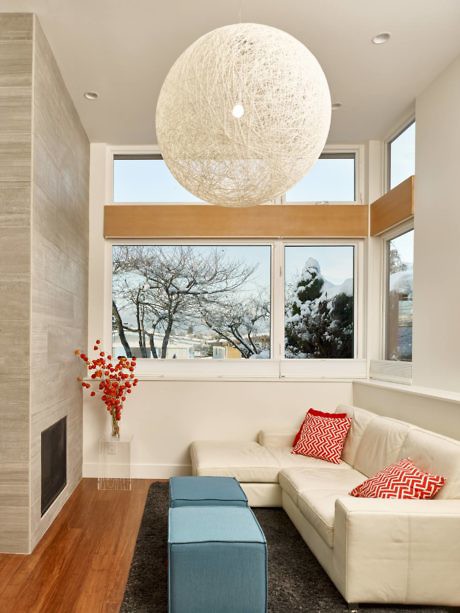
column 114, row 378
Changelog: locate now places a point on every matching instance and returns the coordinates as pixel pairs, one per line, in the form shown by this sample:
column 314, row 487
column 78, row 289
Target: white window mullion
column 359, row 299
column 278, row 300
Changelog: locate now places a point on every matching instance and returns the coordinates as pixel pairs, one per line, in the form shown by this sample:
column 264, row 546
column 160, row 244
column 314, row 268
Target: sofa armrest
column 398, row 550
column 271, row 438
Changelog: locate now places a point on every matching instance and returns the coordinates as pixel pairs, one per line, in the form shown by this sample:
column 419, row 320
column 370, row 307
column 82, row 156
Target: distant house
column 225, row 352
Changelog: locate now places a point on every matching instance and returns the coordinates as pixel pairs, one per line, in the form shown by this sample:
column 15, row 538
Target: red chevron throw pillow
column 315, row 412
column 323, row 435
column 400, row 480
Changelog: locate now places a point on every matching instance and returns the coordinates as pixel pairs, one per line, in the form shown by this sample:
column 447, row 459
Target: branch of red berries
column 114, row 378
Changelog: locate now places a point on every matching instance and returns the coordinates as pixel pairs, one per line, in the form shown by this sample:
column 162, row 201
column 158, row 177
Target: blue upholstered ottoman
column 206, row 491
column 217, row 561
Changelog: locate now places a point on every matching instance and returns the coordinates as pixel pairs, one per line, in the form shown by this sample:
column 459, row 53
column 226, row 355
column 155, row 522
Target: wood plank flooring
column 82, row 562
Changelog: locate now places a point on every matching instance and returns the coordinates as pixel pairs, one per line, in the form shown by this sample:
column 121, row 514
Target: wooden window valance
column 264, row 221
column 393, row 208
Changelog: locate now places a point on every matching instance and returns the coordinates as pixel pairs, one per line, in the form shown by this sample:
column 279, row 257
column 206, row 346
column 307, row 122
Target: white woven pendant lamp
column 243, row 114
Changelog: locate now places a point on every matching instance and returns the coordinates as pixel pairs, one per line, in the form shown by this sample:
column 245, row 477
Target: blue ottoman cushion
column 206, row 491
column 217, row 561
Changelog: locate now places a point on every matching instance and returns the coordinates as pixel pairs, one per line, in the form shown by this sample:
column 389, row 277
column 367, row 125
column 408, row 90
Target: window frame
column 322, row 243
column 142, row 151
column 277, row 367
column 387, row 237
column 201, row 242
column 389, row 141
column 381, row 369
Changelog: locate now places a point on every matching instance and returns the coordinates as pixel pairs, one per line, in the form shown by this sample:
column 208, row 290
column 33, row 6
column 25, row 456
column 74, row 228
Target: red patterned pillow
column 315, row 412
column 323, row 435
column 400, row 480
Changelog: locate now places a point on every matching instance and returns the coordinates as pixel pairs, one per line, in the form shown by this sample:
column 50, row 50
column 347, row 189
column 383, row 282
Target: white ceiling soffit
column 123, row 49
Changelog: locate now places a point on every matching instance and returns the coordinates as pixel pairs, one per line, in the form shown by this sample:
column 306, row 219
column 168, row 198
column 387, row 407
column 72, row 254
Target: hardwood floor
column 82, row 562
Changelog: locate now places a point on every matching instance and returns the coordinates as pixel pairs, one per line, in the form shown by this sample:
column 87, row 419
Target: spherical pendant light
column 243, row 114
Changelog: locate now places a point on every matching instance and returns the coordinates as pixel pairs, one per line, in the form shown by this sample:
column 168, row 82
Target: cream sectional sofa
column 374, row 550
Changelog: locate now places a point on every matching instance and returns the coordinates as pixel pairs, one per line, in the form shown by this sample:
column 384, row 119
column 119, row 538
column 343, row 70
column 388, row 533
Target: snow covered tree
column 395, row 262
column 163, row 289
column 238, row 323
column 318, row 326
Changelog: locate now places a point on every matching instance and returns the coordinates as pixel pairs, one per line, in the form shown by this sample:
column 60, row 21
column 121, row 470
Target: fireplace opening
column 54, row 462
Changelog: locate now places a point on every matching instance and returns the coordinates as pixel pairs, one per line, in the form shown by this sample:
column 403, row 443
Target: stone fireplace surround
column 44, row 175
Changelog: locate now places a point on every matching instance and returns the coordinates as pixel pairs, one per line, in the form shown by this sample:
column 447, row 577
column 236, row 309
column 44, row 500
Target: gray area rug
column 296, row 580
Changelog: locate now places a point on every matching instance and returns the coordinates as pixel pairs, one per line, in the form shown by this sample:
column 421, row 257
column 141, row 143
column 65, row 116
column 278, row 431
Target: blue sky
column 336, row 262
column 405, row 246
column 403, row 156
column 329, row 180
column 147, row 181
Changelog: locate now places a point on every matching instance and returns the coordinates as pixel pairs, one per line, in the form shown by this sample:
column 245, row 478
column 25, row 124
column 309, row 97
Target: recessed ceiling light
column 336, row 105
column 381, row 38
column 91, row 95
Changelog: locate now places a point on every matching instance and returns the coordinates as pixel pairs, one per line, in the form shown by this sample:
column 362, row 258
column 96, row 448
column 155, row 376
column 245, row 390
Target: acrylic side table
column 114, row 470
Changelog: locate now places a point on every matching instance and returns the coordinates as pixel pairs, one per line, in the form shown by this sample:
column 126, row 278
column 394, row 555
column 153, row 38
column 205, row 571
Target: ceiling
column 123, row 49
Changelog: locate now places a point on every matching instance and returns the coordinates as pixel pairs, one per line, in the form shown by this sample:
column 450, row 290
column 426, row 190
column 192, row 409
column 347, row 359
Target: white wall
column 436, row 350
column 432, row 401
column 422, row 407
column 165, row 416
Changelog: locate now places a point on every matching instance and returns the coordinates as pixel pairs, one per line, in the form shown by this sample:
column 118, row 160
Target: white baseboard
column 144, row 471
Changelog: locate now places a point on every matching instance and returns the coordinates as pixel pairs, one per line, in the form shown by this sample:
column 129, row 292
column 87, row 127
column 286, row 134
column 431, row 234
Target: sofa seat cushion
column 317, row 502
column 247, row 461
column 318, row 507
column 339, row 478
column 286, row 459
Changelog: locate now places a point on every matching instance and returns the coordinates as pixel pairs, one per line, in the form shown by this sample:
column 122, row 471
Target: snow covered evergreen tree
column 318, row 326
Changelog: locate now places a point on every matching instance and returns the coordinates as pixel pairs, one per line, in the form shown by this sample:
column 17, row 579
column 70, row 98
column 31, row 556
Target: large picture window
column 400, row 259
column 191, row 301
column 224, row 302
column 319, row 301
column 146, row 178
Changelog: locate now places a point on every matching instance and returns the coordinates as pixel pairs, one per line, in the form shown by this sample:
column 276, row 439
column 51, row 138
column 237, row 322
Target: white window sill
column 248, row 370
column 391, row 370
column 416, row 390
column 251, row 370
column 226, row 378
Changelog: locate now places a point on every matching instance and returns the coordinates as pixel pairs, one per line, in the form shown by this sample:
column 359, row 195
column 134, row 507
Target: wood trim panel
column 393, row 208
column 264, row 221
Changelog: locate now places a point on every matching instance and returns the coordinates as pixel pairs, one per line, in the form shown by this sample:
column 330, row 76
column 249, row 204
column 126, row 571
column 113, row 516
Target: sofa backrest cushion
column 380, row 445
column 436, row 454
column 270, row 438
column 359, row 422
